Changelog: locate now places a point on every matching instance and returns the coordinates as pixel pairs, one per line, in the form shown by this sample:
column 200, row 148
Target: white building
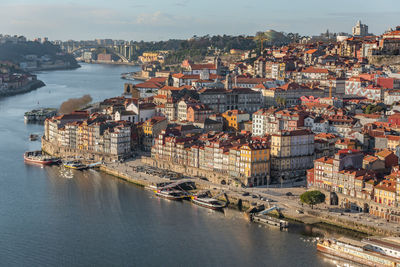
column 360, row 29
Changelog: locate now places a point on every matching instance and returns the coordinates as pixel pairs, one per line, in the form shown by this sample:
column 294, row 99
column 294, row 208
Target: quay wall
column 65, row 152
column 340, row 222
column 132, row 179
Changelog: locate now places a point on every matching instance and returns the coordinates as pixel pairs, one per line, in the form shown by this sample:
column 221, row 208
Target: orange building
column 233, row 118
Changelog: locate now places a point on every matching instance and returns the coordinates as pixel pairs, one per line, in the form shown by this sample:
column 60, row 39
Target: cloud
column 157, row 19
column 183, row 3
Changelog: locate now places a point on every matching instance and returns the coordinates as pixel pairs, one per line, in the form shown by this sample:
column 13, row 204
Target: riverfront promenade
column 289, row 202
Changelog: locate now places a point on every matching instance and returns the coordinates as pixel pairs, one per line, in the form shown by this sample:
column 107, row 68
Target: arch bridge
column 76, row 50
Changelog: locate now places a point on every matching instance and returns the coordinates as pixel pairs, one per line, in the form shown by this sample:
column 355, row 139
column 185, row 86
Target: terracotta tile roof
column 153, row 85
column 315, row 70
column 393, row 137
column 384, row 153
column 370, row 158
column 311, row 51
column 157, row 79
column 155, row 120
column 386, row 185
column 325, row 160
column 325, row 136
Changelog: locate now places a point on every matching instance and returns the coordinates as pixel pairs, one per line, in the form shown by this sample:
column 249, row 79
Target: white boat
column 171, row 194
column 207, row 202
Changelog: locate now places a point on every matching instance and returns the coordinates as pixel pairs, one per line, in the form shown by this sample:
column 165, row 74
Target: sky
column 154, row 20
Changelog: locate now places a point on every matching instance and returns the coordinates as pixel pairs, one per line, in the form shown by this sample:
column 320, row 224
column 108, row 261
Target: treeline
column 196, row 48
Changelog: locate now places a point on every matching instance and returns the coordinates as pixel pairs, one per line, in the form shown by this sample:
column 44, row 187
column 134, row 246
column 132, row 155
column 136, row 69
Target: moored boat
column 364, row 252
column 76, row 165
column 268, row 220
column 207, row 202
column 33, row 137
column 39, row 115
column 171, row 194
column 38, row 157
column 158, row 186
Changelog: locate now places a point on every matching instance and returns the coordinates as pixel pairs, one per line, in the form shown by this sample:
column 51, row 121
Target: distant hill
column 17, row 52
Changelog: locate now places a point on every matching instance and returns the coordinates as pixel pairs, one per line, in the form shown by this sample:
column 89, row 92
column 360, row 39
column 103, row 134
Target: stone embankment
column 340, row 221
column 33, row 85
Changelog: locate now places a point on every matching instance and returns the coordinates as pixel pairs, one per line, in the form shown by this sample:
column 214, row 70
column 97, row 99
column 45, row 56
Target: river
column 52, row 218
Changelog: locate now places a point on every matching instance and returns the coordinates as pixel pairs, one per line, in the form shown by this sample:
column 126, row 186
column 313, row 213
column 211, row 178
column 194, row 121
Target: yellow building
column 233, row 118
column 151, row 129
column 392, row 142
column 255, row 163
column 147, row 57
column 385, row 193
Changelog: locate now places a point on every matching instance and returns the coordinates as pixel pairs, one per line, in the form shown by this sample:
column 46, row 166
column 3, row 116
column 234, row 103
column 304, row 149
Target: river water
column 51, row 217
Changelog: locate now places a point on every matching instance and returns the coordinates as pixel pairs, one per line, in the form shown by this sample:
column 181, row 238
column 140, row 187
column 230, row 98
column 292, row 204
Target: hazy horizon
column 155, row 20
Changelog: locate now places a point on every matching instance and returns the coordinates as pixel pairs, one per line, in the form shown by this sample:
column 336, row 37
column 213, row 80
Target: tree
column 312, row 197
column 281, row 101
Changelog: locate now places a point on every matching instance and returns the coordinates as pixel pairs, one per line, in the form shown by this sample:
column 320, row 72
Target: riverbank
column 33, row 85
column 238, row 199
column 56, row 67
column 132, row 76
column 112, row 63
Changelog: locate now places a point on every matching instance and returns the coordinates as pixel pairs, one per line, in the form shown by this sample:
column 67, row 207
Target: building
column 329, row 172
column 255, row 163
column 360, row 29
column 221, row 100
column 183, row 106
column 237, row 159
column 104, row 57
column 198, row 113
column 292, row 153
column 152, row 128
column 94, row 137
column 268, row 121
column 289, row 94
column 234, row 119
column 385, row 193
